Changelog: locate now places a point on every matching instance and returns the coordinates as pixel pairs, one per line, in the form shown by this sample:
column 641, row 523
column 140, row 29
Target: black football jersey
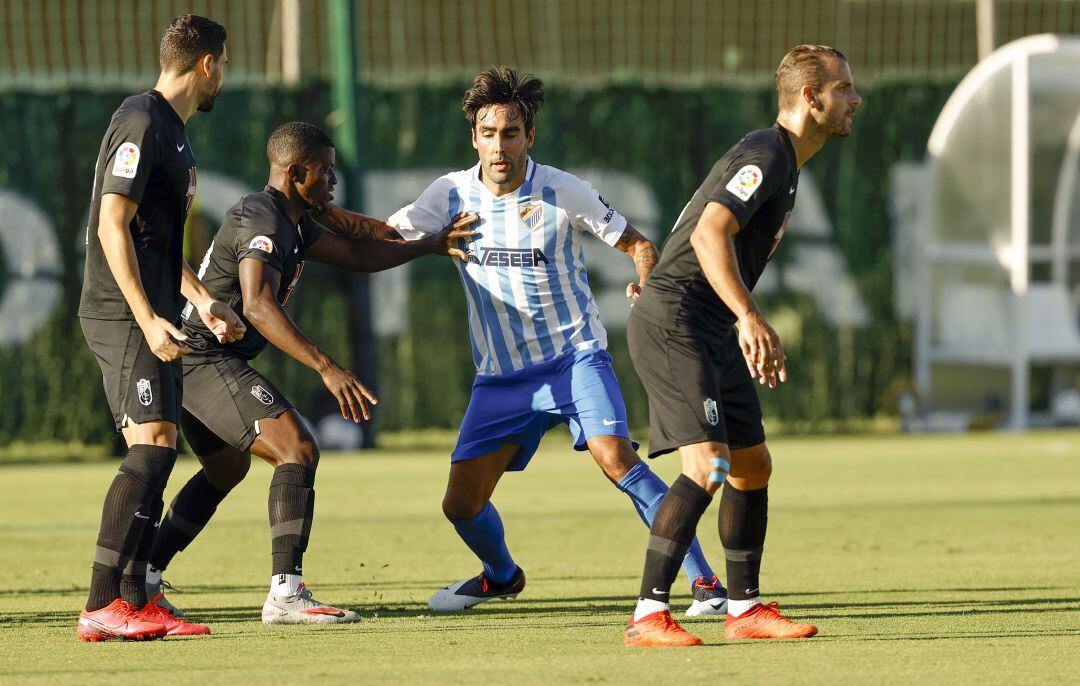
column 756, row 179
column 254, row 228
column 145, row 155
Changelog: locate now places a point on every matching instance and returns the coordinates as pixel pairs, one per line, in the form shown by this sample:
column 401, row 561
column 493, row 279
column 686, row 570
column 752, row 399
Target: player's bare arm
column 259, row 284
column 353, row 225
column 643, row 252
column 372, row 249
column 217, row 316
column 713, row 241
column 117, row 211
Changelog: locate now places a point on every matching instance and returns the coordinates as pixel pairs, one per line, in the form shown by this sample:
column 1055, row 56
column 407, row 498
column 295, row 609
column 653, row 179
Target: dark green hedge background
column 50, row 387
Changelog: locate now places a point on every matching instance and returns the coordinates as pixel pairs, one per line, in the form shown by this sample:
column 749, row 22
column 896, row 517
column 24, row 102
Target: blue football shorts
column 578, row 389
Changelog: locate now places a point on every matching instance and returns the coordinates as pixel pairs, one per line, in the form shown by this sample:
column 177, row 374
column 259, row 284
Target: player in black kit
column 135, row 282
column 232, row 410
column 697, row 340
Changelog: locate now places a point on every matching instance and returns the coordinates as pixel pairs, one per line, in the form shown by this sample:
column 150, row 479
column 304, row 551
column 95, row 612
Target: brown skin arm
column 352, row 225
column 368, row 246
column 713, row 241
column 259, row 284
column 642, row 251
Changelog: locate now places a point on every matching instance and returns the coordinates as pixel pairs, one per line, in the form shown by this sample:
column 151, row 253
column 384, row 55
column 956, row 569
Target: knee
column 225, row 472
column 616, row 460
column 303, row 451
column 457, row 506
column 752, row 469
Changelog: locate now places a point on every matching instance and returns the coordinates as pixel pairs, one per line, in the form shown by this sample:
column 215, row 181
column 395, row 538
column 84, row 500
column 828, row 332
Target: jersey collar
column 164, row 104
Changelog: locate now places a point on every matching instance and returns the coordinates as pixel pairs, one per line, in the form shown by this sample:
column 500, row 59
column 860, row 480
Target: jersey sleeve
column 588, row 211
column 256, row 237
column 310, row 230
column 428, row 214
column 130, row 155
column 751, row 178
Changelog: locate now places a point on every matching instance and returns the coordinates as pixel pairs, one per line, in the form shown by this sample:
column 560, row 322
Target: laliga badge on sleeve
column 126, row 162
column 745, row 182
column 262, row 243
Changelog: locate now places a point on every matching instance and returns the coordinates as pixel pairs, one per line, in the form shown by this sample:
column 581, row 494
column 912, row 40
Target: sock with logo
column 646, row 490
column 291, row 504
column 485, row 536
column 126, row 512
column 189, row 512
column 285, row 584
column 133, row 580
column 743, row 519
column 670, row 535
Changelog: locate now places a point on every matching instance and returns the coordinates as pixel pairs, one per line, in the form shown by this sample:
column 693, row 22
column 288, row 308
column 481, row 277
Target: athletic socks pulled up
column 291, row 505
column 743, row 518
column 646, row 490
column 189, row 512
column 126, row 512
column 670, row 536
column 485, row 536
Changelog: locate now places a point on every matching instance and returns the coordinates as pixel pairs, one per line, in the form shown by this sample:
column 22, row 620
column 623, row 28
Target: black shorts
column 138, row 386
column 699, row 388
column 229, row 398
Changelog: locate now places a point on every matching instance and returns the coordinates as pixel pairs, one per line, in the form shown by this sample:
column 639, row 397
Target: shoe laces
column 483, row 582
column 167, row 586
column 701, row 583
column 127, row 610
column 155, row 607
column 773, row 609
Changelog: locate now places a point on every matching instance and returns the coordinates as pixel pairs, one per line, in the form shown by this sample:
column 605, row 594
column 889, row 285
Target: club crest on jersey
column 745, row 182
column 262, row 243
column 712, row 415
column 513, row 257
column 261, row 394
column 146, row 395
column 531, row 214
column 126, row 162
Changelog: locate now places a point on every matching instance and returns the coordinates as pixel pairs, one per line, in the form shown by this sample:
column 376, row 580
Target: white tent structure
column 998, row 267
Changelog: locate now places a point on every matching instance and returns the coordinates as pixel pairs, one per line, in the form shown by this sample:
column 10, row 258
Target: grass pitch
column 922, row 560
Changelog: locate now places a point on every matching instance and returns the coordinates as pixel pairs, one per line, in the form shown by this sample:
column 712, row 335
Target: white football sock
column 647, row 606
column 738, row 608
column 285, row 584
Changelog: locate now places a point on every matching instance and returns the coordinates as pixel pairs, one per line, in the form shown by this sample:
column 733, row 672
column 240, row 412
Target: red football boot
column 117, row 620
column 656, row 630
column 175, row 626
column 765, row 621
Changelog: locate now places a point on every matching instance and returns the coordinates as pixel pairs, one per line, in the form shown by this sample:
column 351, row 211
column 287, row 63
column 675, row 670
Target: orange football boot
column 175, row 626
column 117, row 620
column 765, row 621
column 657, row 630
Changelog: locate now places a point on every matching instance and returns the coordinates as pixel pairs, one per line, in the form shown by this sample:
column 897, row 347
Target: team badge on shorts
column 261, row 395
column 712, row 414
column 146, row 395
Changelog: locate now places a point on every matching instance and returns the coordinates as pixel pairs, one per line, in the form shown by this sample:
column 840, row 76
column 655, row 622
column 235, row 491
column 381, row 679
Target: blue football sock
column 485, row 536
column 646, row 490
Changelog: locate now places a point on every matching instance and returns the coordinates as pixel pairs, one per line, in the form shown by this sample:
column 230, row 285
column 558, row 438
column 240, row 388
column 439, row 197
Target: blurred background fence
column 643, row 94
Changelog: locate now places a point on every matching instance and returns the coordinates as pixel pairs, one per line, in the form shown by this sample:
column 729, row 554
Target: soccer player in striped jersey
column 537, row 340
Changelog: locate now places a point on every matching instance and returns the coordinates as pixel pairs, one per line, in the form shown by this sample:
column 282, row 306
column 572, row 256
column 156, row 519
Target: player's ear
column 473, row 133
column 296, row 173
column 206, row 64
column 810, row 96
column 531, row 137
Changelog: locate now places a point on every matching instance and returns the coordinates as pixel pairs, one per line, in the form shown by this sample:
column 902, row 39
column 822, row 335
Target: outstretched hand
column 447, row 241
column 761, row 348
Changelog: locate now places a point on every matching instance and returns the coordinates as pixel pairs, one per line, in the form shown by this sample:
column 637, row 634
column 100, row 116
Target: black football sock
column 292, row 504
column 133, row 581
column 670, row 536
column 743, row 519
column 124, row 515
column 189, row 512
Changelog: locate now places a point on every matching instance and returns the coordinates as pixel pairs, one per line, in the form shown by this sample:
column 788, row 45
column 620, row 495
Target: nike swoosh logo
column 791, row 191
column 612, row 422
column 657, row 591
column 751, row 591
column 180, row 147
column 298, row 569
column 142, row 516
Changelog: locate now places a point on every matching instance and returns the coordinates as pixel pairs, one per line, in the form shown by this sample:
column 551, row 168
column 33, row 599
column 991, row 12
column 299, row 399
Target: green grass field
column 922, row 560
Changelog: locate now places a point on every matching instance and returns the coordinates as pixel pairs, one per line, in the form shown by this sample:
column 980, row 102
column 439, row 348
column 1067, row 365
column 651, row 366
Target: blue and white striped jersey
column 528, row 294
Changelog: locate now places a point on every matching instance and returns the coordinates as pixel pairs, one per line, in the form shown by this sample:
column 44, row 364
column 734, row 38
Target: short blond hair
column 803, row 64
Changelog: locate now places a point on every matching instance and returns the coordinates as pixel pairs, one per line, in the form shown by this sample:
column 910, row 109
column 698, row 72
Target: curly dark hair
column 296, row 142
column 502, row 85
column 186, row 39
